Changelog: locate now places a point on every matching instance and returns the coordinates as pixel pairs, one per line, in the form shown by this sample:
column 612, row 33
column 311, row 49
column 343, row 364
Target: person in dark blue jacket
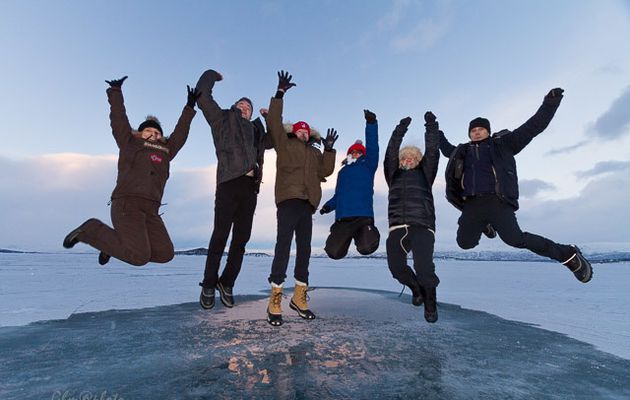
column 481, row 181
column 353, row 199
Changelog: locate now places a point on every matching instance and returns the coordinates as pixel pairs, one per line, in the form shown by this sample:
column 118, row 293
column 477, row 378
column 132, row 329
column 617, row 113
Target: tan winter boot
column 298, row 301
column 274, row 309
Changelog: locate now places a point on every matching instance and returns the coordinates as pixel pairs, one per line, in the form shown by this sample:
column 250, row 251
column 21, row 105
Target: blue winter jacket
column 355, row 182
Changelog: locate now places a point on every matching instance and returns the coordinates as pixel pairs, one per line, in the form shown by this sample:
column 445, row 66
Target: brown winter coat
column 143, row 166
column 300, row 167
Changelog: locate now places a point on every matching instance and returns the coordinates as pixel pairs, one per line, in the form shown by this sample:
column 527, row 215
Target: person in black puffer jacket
column 481, row 181
column 411, row 212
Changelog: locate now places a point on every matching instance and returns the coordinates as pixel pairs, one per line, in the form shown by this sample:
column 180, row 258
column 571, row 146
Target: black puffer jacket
column 410, row 195
column 239, row 143
column 504, row 145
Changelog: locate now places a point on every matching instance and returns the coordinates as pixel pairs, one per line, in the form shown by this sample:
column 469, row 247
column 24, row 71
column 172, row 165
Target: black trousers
column 294, row 216
column 234, row 206
column 361, row 229
column 481, row 211
column 418, row 240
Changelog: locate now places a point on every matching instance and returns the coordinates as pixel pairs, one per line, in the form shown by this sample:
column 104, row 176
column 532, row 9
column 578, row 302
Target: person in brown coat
column 301, row 168
column 139, row 235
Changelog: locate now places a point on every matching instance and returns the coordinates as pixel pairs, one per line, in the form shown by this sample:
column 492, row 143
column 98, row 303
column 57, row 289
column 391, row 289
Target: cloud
column 531, row 187
column 615, row 122
column 567, row 149
column 392, row 18
column 604, row 167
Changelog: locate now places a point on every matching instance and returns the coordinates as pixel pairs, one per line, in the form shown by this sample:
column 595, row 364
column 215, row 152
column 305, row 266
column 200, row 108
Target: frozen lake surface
column 157, row 343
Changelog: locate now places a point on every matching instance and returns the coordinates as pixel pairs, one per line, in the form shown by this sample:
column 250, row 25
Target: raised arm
column 445, row 146
column 211, row 110
column 521, row 136
column 371, row 139
column 121, row 129
column 274, row 115
column 180, row 133
column 431, row 157
column 393, row 147
column 327, row 166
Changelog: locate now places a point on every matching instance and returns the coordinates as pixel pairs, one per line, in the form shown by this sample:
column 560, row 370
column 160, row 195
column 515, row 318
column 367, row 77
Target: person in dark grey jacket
column 240, row 144
column 481, row 181
column 411, row 212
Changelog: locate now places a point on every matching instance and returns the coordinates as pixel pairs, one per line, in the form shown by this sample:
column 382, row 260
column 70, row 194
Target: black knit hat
column 247, row 100
column 151, row 122
column 479, row 123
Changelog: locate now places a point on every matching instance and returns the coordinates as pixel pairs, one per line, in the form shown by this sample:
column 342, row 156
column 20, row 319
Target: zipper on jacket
column 496, row 181
column 474, row 181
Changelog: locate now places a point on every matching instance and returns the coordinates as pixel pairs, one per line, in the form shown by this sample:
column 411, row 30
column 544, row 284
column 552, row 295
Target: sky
column 459, row 59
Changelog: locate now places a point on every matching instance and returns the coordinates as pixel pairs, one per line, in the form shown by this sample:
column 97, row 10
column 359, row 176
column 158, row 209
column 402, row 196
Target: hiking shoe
column 430, row 304
column 103, row 258
column 72, row 238
column 226, row 296
column 580, row 266
column 206, row 299
column 490, row 232
column 274, row 309
column 299, row 303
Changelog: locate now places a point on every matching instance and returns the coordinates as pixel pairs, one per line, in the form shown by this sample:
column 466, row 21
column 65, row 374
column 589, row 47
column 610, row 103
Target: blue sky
column 460, row 59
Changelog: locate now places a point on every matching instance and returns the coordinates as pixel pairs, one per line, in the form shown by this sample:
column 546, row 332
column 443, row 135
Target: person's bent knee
column 367, row 250
column 336, row 254
column 163, row 257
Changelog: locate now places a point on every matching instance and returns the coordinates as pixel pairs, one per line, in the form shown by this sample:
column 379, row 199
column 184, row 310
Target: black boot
column 490, row 232
column 416, row 295
column 206, row 299
column 226, row 296
column 72, row 238
column 430, row 304
column 580, row 266
column 103, row 258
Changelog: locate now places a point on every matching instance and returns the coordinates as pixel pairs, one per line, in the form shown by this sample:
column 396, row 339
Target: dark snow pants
column 361, row 229
column 234, row 206
column 139, row 235
column 418, row 240
column 489, row 209
column 294, row 216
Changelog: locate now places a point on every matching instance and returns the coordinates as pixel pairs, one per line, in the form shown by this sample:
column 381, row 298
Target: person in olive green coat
column 301, row 168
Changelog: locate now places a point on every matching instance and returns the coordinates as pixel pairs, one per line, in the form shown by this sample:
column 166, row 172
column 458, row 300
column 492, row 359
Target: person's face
column 246, row 109
column 356, row 154
column 409, row 162
column 302, row 134
column 478, row 133
column 151, row 134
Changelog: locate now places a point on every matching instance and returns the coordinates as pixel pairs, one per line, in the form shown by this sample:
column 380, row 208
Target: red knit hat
column 357, row 146
column 301, row 125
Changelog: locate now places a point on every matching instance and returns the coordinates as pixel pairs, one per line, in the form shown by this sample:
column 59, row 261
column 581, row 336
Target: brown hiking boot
column 274, row 309
column 298, row 302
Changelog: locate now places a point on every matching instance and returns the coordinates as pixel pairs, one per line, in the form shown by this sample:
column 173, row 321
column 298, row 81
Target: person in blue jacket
column 353, row 199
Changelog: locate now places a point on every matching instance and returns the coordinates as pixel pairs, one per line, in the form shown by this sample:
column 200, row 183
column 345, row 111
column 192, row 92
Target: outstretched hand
column 331, row 138
column 264, row 112
column 116, row 82
column 325, row 210
column 284, row 81
column 555, row 92
column 404, row 123
column 370, row 117
column 193, row 95
column 429, row 118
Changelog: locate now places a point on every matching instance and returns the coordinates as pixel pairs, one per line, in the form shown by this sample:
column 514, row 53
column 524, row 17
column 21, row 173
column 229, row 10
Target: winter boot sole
column 585, row 276
column 306, row 314
column 103, row 258
column 274, row 319
column 72, row 238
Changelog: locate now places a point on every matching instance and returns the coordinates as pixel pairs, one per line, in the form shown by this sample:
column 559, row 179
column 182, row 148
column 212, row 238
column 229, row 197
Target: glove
column 429, row 118
column 555, row 92
column 117, row 83
column 331, row 138
column 193, row 95
column 284, row 81
column 404, row 123
column 370, row 117
column 324, row 210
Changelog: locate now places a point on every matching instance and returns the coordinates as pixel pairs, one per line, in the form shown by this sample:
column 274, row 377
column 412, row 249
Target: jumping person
column 139, row 235
column 481, row 182
column 353, row 198
column 239, row 145
column 300, row 170
column 411, row 212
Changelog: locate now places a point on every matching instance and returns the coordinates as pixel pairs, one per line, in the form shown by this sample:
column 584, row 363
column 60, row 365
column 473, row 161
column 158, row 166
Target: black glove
column 331, row 138
column 555, row 92
column 193, row 95
column 370, row 117
column 404, row 123
column 116, row 82
column 429, row 118
column 325, row 210
column 284, row 81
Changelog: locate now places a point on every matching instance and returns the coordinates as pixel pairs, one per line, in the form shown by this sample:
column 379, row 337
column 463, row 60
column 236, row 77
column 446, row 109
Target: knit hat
column 357, row 146
column 301, row 125
column 247, row 100
column 151, row 122
column 479, row 123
